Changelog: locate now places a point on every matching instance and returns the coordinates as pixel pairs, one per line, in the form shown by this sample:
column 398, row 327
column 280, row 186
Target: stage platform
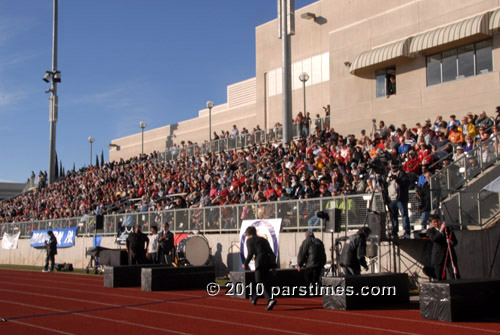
column 365, row 291
column 176, row 278
column 460, row 300
column 125, row 275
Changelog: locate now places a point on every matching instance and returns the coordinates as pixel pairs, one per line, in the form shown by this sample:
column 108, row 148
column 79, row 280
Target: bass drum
column 194, row 250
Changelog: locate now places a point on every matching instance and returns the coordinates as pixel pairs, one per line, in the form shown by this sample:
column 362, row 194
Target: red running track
column 61, row 303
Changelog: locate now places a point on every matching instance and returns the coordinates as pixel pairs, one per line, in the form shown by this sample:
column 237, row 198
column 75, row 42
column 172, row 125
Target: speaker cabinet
column 99, row 222
column 376, row 222
column 333, row 224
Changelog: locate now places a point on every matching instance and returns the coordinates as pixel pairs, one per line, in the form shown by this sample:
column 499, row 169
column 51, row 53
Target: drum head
column 197, row 250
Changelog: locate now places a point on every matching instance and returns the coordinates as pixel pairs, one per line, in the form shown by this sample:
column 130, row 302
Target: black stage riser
column 461, row 300
column 125, row 275
column 179, row 278
column 283, row 278
column 476, row 252
column 398, row 283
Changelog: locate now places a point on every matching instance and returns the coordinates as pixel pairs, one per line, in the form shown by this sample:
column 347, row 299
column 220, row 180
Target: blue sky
column 122, row 61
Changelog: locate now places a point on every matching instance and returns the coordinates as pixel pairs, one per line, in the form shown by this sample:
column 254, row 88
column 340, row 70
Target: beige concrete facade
column 228, row 244
column 342, row 30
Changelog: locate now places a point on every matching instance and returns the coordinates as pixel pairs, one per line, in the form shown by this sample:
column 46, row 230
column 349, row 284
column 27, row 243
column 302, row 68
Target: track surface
column 60, row 303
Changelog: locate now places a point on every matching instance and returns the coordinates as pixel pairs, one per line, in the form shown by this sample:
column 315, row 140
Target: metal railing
column 473, row 208
column 297, row 215
column 463, row 169
column 242, row 141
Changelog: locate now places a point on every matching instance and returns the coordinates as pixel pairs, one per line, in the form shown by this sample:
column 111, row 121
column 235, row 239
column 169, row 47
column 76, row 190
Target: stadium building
column 443, row 55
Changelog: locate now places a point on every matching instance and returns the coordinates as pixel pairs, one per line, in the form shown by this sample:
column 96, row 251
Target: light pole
column 210, row 105
column 142, row 124
column 286, row 22
column 53, row 77
column 91, row 140
column 303, row 78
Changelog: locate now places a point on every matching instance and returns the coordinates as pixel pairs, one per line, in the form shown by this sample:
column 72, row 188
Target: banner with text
column 268, row 228
column 9, row 241
column 65, row 237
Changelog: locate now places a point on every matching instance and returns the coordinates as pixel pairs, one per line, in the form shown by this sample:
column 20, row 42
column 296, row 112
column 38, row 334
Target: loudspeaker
column 376, row 222
column 99, row 222
column 333, row 223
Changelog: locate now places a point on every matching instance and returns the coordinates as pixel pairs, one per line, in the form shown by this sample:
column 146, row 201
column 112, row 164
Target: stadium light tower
column 53, row 77
column 143, row 125
column 286, row 25
column 210, row 105
column 303, row 78
column 91, row 140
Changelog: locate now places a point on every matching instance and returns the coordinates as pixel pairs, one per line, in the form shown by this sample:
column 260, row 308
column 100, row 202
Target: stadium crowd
column 321, row 163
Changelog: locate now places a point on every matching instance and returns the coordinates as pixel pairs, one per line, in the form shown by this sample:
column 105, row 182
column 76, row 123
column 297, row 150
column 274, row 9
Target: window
column 484, row 62
column 384, row 85
column 449, row 62
column 434, row 70
column 466, row 61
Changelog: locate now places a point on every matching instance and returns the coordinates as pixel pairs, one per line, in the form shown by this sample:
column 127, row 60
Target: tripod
column 379, row 234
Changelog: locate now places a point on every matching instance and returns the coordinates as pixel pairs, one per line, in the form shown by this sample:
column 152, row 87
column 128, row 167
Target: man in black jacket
column 353, row 253
column 443, row 256
column 166, row 241
column 264, row 261
column 137, row 244
column 51, row 246
column 311, row 259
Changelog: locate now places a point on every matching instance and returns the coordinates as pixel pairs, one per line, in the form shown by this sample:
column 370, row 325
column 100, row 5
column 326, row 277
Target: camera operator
column 354, row 252
column 397, row 188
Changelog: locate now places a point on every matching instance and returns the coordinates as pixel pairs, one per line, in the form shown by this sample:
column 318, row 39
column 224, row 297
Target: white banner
column 9, row 241
column 267, row 228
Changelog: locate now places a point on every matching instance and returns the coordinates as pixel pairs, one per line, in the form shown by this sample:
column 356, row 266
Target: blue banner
column 65, row 237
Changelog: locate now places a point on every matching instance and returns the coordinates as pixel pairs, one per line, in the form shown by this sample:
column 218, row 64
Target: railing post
column 460, row 209
column 204, row 220
column 220, row 220
column 479, row 211
column 298, row 214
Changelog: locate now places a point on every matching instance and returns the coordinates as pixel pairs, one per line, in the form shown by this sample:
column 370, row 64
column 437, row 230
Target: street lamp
column 210, row 105
column 303, row 78
column 142, row 124
column 91, row 140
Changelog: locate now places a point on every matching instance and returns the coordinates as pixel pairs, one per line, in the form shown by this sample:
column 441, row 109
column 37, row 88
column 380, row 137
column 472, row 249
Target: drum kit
column 194, row 250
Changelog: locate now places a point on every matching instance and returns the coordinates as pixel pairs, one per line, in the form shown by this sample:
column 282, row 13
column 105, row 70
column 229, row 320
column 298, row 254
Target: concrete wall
column 194, row 130
column 353, row 96
column 229, row 251
column 344, row 29
column 8, row 189
column 229, row 243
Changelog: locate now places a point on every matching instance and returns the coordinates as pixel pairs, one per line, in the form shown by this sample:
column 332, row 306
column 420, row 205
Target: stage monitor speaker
column 376, row 222
column 99, row 222
column 333, row 223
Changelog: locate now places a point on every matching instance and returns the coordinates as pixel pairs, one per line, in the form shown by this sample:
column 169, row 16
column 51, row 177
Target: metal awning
column 495, row 19
column 381, row 54
column 450, row 33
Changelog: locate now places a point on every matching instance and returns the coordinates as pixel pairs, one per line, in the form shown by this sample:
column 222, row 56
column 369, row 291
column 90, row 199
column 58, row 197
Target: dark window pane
column 466, row 61
column 434, row 70
column 449, row 65
column 483, row 57
column 380, row 83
